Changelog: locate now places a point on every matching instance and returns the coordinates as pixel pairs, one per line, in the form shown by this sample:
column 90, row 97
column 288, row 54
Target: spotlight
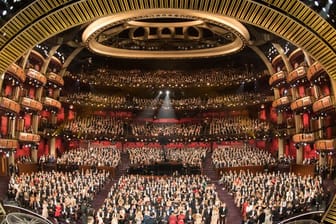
column 167, row 92
column 160, row 92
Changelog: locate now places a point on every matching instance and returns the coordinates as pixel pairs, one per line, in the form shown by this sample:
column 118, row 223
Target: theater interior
column 166, row 111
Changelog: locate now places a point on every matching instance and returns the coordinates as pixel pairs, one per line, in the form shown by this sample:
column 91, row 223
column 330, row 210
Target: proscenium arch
column 291, row 20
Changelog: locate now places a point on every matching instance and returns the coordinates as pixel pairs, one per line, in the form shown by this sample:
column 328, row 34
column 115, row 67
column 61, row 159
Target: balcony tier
column 31, row 104
column 9, row 105
column 50, row 102
column 302, row 103
column 38, row 76
column 8, row 143
column 314, row 71
column 297, row 74
column 281, row 102
column 325, row 144
column 324, row 104
column 278, row 78
column 303, row 138
column 28, row 137
column 55, row 79
column 17, row 72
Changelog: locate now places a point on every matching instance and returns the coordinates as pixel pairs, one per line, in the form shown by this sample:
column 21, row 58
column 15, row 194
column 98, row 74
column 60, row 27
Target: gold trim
column 315, row 36
column 91, row 33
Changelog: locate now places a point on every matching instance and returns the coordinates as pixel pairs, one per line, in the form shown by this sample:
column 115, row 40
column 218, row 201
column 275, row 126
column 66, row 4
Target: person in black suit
column 207, row 215
column 223, row 211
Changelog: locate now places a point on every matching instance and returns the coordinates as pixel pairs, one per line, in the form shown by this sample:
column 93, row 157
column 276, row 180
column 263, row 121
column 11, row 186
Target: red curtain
column 8, row 90
column 4, row 125
column 27, row 121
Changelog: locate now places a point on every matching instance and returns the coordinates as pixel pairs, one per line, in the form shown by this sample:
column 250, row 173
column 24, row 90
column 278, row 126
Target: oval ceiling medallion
column 165, row 33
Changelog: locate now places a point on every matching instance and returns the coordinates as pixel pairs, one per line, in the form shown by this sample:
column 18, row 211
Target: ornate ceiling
column 291, row 20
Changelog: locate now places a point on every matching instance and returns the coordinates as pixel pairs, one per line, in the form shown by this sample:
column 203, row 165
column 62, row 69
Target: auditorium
column 167, row 111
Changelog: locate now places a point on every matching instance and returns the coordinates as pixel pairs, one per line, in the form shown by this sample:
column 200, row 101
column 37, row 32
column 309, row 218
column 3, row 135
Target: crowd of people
column 237, row 125
column 152, row 129
column 229, row 156
column 152, row 199
column 95, row 125
column 191, row 103
column 166, row 78
column 61, row 195
column 91, row 156
column 148, row 155
column 242, row 127
column 270, row 197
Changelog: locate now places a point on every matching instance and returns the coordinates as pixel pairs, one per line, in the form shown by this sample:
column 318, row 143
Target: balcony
column 281, row 102
column 297, row 75
column 303, row 138
column 55, row 79
column 31, row 104
column 28, row 137
column 8, row 143
column 302, row 104
column 314, row 71
column 325, row 144
column 278, row 78
column 9, row 105
column 277, row 61
column 36, row 76
column 50, row 102
column 17, row 72
column 296, row 56
column 324, row 104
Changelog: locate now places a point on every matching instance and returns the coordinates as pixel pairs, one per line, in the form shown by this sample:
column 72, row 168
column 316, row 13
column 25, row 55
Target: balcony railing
column 38, row 76
column 297, row 74
column 8, row 143
column 278, row 78
column 324, row 104
column 50, row 102
column 17, row 72
column 8, row 104
column 28, row 137
column 325, row 144
column 31, row 104
column 281, row 102
column 314, row 71
column 303, row 138
column 302, row 103
column 55, row 79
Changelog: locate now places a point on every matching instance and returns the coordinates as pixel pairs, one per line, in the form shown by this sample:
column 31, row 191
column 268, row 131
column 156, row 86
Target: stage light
column 160, row 92
column 167, row 92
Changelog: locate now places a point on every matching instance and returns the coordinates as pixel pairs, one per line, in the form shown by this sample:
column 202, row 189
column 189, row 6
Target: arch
column 291, row 20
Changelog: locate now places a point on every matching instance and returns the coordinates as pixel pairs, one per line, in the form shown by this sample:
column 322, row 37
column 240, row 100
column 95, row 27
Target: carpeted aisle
column 234, row 214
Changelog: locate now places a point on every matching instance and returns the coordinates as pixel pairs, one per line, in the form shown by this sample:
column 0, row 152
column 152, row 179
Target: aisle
column 234, row 214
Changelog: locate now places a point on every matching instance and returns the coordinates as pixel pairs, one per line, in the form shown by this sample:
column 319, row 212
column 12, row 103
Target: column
column 52, row 148
column 281, row 146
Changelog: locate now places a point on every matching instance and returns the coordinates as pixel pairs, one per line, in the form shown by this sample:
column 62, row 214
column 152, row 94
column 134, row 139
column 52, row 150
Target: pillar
column 52, row 148
column 281, row 146
column 299, row 155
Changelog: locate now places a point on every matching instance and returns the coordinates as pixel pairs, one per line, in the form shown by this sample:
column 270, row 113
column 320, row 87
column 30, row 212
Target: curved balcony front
column 17, row 72
column 296, row 56
column 297, row 75
column 31, row 104
column 36, row 76
column 324, row 104
column 325, row 144
column 28, row 137
column 281, row 102
column 50, row 102
column 314, row 71
column 9, row 105
column 278, row 79
column 303, row 138
column 8, row 143
column 277, row 61
column 55, row 79
column 302, row 103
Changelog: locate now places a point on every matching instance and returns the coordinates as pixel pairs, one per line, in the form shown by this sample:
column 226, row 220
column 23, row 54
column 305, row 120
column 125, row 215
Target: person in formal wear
column 223, row 212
